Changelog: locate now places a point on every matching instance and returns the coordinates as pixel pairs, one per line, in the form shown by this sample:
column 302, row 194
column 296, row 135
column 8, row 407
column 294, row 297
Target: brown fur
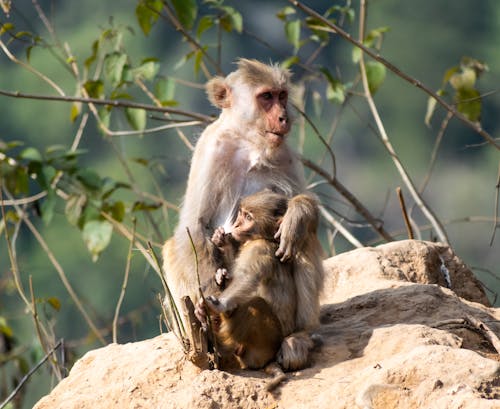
column 234, row 157
column 262, row 291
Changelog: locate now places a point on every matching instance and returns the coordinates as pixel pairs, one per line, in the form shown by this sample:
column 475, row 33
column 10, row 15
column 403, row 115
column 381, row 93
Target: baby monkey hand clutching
column 259, row 305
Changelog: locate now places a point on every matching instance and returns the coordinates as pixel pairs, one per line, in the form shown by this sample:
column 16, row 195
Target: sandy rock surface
column 394, row 337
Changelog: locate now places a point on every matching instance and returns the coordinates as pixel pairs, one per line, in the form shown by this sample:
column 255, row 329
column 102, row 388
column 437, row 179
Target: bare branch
column 113, row 103
column 124, row 285
column 495, row 217
column 405, row 213
column 28, row 67
column 438, row 227
column 362, row 210
column 28, row 375
column 62, row 275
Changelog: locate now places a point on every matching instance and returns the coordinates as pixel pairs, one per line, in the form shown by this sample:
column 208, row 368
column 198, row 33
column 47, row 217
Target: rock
column 363, row 270
column 394, row 337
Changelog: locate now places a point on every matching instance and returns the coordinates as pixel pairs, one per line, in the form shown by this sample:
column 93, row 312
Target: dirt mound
column 393, row 338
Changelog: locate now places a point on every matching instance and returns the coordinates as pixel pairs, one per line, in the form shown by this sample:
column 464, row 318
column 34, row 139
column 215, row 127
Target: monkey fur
column 244, row 151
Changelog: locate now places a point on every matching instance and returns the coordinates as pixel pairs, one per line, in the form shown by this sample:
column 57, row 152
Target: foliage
column 116, row 95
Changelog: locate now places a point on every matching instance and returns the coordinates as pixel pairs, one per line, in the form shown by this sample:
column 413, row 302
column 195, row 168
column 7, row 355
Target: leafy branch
column 330, row 26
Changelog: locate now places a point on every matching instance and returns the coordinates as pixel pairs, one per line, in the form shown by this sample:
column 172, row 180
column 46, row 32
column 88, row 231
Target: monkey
column 257, row 277
column 249, row 346
column 242, row 152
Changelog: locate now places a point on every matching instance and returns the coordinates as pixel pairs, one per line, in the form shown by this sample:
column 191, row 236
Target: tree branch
column 450, row 108
column 426, row 210
column 363, row 211
column 114, row 103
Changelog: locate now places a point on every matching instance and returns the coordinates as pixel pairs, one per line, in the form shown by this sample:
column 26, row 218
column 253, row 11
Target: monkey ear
column 219, row 93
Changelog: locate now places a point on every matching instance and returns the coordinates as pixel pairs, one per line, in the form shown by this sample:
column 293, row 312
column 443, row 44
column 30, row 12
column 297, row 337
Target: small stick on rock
column 409, row 229
column 475, row 324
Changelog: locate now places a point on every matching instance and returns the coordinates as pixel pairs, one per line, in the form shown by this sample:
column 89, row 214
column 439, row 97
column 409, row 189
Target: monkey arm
column 250, row 269
column 299, row 222
column 226, row 246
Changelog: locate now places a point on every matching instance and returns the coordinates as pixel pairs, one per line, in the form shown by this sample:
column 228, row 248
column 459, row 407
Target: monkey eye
column 282, row 95
column 267, row 95
column 248, row 216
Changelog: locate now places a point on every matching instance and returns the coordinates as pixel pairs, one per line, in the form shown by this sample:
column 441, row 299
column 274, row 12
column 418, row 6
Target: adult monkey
column 244, row 151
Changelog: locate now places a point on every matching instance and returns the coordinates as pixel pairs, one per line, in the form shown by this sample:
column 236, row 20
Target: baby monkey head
column 259, row 216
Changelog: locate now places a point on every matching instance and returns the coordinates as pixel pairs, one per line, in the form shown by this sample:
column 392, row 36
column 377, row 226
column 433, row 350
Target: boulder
column 404, row 325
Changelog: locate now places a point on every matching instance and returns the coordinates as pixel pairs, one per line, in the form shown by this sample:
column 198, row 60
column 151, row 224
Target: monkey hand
column 222, row 276
column 290, row 232
column 219, row 237
column 200, row 312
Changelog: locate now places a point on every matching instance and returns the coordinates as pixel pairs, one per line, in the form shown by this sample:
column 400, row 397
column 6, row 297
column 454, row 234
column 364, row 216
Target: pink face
column 273, row 102
column 243, row 226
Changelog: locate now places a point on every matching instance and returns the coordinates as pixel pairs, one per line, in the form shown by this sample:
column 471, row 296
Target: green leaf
column 316, row 25
column 292, row 32
column 186, row 11
column 290, row 61
column 375, row 34
column 89, row 179
column 141, row 206
column 95, row 49
column 47, row 207
column 105, row 116
column 285, row 11
column 74, row 208
column 375, row 72
column 136, row 118
column 147, row 13
column 431, row 107
column 335, row 90
column 75, row 111
column 198, row 59
column 464, row 80
column 31, row 154
column 232, row 20
column 6, row 27
column 54, row 303
column 113, row 67
column 97, row 235
column 117, row 210
column 21, row 181
column 5, row 328
column 356, row 55
column 449, row 73
column 164, row 89
column 204, row 24
column 469, row 103
column 95, row 89
column 147, row 70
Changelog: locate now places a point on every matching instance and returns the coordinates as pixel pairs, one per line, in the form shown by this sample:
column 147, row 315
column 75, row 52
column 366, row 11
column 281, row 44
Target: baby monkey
column 257, row 309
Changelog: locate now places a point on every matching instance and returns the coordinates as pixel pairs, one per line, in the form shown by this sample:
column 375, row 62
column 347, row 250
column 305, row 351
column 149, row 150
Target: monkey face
column 244, row 227
column 273, row 103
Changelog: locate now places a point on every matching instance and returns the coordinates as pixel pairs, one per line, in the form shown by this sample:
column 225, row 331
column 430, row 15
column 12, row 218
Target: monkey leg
column 308, row 277
column 294, row 352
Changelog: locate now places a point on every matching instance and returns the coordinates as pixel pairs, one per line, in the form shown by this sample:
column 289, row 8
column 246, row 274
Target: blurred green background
column 425, row 39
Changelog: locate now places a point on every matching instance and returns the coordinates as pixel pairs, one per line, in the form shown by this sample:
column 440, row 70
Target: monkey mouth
column 276, row 138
